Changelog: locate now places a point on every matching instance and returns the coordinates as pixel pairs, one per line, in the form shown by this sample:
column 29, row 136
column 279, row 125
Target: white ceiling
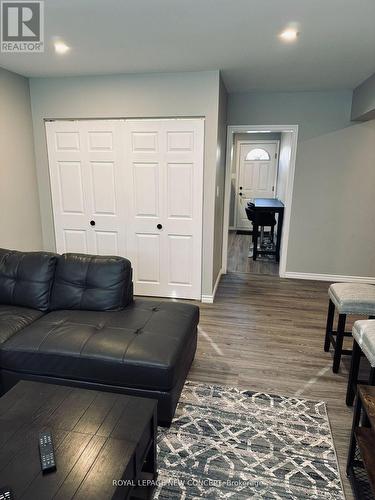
column 335, row 49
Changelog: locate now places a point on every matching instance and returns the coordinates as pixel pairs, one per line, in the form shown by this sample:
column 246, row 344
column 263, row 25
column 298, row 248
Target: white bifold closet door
column 132, row 188
column 165, row 175
column 87, row 177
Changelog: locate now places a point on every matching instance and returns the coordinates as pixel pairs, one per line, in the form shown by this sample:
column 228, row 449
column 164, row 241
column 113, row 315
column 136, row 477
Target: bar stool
column 262, row 220
column 347, row 298
column 363, row 344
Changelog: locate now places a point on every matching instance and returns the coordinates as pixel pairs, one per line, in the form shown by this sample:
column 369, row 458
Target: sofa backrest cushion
column 92, row 283
column 26, row 278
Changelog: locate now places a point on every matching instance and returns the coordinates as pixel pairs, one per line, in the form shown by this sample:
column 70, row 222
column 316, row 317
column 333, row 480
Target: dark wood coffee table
column 105, row 443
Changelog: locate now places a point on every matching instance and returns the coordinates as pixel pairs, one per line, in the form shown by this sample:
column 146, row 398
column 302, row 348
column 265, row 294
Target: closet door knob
column 92, row 223
column 159, row 226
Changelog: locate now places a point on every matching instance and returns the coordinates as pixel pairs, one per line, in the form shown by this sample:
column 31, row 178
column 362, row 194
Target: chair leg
column 329, row 326
column 261, row 236
column 255, row 240
column 353, row 374
column 339, row 342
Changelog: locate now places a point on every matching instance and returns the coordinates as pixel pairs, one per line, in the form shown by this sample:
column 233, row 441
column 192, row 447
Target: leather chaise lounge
column 72, row 320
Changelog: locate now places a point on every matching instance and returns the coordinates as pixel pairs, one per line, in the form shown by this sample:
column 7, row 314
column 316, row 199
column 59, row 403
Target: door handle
column 159, row 226
column 92, row 223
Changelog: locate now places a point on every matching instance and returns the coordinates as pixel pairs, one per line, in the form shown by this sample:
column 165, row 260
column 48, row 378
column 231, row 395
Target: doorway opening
column 259, row 185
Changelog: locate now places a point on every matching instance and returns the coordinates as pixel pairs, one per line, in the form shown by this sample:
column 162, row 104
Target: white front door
column 164, row 188
column 256, row 175
column 132, row 188
column 86, row 175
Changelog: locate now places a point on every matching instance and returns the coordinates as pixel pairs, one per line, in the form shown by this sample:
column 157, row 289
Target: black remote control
column 6, row 494
column 47, row 456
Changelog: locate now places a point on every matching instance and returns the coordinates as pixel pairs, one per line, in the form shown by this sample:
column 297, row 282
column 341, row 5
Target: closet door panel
column 86, row 162
column 165, row 180
column 68, row 186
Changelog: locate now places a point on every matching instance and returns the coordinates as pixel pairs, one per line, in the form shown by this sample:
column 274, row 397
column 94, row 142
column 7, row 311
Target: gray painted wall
column 132, row 96
column 363, row 105
column 19, row 204
column 334, row 188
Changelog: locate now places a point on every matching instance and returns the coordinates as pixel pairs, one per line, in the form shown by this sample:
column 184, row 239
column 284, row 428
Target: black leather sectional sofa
column 72, row 320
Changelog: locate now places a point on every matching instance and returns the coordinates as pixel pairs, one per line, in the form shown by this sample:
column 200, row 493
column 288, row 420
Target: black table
column 100, row 438
column 268, row 205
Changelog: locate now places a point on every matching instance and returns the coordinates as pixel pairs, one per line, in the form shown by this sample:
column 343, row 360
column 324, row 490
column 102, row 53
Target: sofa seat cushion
column 13, row 319
column 26, row 278
column 142, row 346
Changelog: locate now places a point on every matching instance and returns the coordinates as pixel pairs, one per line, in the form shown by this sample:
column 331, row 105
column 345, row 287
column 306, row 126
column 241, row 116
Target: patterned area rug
column 229, row 444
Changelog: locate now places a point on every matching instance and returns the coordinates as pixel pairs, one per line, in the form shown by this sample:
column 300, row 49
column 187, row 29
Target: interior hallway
column 239, row 261
column 266, row 334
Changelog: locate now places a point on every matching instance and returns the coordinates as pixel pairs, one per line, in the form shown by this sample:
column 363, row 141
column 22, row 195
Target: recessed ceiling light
column 61, row 47
column 289, row 35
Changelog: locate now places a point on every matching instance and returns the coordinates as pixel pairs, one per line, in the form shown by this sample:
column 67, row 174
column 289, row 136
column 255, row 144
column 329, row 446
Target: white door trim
column 238, row 129
column 237, row 161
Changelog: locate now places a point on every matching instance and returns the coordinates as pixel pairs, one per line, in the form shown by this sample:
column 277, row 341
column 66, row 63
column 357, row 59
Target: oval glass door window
column 257, row 154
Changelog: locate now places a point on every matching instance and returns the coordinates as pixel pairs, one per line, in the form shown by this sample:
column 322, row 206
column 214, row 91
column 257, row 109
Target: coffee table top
column 95, row 436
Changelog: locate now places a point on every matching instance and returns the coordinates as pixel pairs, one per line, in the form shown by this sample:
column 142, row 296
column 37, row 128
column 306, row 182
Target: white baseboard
column 329, row 277
column 209, row 299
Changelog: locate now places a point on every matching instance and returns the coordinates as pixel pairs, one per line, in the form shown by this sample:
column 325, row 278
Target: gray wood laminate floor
column 266, row 334
column 238, row 257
